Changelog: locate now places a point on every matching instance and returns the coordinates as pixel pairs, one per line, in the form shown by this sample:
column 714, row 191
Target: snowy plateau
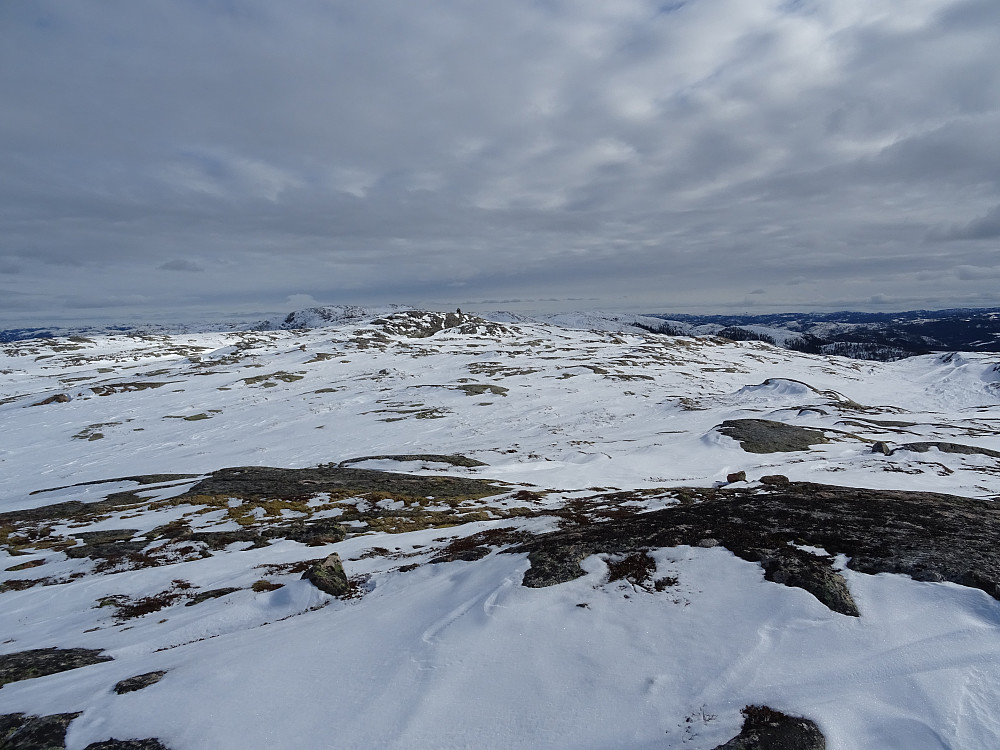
column 392, row 528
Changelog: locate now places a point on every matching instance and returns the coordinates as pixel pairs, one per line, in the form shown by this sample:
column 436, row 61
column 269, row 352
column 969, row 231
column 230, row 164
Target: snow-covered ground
column 459, row 654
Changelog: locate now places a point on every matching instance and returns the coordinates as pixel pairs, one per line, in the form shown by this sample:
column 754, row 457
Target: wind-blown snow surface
column 459, row 654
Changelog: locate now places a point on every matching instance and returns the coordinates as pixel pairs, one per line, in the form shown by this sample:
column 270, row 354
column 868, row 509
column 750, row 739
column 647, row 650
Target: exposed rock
column 479, row 545
column 422, row 323
column 39, row 662
column 810, row 410
column 104, row 537
column 148, row 744
column 108, row 389
column 767, row 436
column 108, row 545
column 967, row 450
column 453, row 460
column 774, row 479
column 315, row 532
column 311, row 532
column 21, row 732
column 74, row 509
column 263, row 481
column 794, row 567
column 767, row 729
column 329, row 576
column 143, row 479
column 882, row 447
column 262, row 585
column 112, row 551
column 59, row 398
column 9, row 723
column 24, row 566
column 466, row 555
column 140, row 681
column 924, row 535
column 204, row 596
column 739, row 476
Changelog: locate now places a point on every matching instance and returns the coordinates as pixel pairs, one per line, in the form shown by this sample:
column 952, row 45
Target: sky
column 172, row 159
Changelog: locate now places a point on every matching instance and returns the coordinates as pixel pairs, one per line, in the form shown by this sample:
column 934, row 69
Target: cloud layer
column 184, row 156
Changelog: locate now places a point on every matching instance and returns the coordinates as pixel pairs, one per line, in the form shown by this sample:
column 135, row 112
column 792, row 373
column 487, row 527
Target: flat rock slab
column 767, row 436
column 452, row 460
column 966, row 450
column 22, row 732
column 258, row 482
column 930, row 537
column 263, row 481
column 25, row 665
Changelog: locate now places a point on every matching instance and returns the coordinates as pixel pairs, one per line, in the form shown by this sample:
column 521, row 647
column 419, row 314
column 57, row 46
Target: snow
column 328, row 315
column 459, row 654
column 588, row 321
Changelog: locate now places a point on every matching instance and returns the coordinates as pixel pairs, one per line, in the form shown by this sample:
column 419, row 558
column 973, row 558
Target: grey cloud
column 10, row 266
column 982, row 228
column 180, row 265
column 977, row 273
column 673, row 155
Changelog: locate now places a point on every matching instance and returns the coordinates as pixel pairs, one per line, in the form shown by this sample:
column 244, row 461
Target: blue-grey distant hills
column 876, row 336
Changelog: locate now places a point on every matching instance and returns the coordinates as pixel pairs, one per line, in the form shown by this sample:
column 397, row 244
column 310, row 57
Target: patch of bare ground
column 930, row 537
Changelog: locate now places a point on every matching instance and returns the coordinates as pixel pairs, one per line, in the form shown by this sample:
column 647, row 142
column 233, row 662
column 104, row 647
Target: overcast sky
column 186, row 157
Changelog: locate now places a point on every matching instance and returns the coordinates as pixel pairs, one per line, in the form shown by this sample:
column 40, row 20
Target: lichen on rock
column 328, row 575
column 39, row 662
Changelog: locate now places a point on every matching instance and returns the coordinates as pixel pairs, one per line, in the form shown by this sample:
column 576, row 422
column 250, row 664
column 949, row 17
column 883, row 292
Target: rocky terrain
column 403, row 528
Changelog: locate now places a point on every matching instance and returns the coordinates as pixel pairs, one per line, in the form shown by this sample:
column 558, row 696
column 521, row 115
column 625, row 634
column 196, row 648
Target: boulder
column 767, row 729
column 140, row 681
column 328, row 575
column 882, row 447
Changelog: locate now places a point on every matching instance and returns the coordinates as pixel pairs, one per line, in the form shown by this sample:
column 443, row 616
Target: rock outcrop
column 24, row 665
column 22, row 732
column 767, row 436
column 930, row 537
column 767, row 729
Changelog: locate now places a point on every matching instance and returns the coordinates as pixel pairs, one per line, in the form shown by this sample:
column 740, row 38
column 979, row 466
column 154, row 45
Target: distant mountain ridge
column 874, row 336
column 859, row 335
column 327, row 315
